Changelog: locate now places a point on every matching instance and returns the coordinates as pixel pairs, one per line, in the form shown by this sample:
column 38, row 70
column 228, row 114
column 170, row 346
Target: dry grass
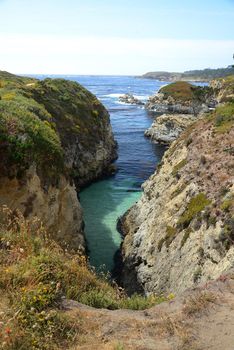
column 198, row 303
column 176, row 327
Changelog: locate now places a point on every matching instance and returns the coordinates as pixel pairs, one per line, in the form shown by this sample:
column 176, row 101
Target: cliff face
column 181, row 232
column 54, row 134
column 167, row 127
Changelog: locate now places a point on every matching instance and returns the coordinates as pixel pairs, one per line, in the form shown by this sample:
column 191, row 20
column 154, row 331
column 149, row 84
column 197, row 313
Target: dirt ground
column 201, row 319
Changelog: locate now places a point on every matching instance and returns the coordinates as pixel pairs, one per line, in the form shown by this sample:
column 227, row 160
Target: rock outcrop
column 55, row 137
column 167, row 127
column 224, row 89
column 181, row 231
column 182, row 97
column 130, row 99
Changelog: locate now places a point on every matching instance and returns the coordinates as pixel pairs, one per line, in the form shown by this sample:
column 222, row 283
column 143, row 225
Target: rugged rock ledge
column 55, row 137
column 181, row 231
column 168, row 127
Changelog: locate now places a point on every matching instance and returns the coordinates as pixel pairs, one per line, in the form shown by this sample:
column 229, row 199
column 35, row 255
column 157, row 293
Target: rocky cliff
column 55, row 136
column 167, row 127
column 181, row 232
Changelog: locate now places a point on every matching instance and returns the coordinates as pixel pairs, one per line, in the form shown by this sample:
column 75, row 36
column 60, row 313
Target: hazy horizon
column 114, row 38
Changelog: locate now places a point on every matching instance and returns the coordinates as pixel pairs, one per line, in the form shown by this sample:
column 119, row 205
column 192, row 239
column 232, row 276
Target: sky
column 128, row 37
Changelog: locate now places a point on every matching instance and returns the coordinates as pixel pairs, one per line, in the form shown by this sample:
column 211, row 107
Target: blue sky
column 114, row 37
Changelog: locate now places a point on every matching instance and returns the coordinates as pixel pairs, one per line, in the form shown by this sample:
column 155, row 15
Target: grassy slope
column 35, row 276
column 184, row 91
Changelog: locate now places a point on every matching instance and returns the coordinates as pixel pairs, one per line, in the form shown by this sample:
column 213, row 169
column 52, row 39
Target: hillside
column 51, row 300
column 207, row 74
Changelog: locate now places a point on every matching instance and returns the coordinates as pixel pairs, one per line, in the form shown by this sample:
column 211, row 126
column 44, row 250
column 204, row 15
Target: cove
column 105, row 201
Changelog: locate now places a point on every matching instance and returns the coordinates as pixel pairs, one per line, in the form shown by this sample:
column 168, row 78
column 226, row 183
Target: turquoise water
column 103, row 203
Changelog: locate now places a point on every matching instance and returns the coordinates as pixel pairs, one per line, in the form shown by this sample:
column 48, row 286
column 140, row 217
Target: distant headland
column 191, row 75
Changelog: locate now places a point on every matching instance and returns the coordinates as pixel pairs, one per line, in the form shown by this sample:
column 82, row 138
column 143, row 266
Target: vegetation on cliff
column 186, row 213
column 184, row 91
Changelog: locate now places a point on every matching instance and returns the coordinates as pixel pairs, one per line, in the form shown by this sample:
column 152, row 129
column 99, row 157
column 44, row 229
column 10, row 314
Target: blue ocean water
column 105, row 201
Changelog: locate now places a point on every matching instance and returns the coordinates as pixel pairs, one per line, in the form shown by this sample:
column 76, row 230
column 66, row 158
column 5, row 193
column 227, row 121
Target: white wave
column 113, row 95
column 141, row 97
column 121, row 103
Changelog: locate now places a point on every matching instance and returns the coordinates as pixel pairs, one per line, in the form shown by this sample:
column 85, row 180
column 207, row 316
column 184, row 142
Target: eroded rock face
column 181, row 231
column 57, row 207
column 55, row 137
column 224, row 89
column 168, row 127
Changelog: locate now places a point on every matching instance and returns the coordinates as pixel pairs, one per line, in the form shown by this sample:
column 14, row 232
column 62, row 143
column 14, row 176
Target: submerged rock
column 168, row 127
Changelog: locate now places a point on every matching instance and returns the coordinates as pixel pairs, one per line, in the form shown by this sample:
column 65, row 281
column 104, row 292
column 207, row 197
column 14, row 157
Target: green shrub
column 195, row 206
column 179, row 166
column 227, row 204
column 99, row 299
column 185, row 237
column 170, row 235
column 138, row 302
column 168, row 239
column 224, row 117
